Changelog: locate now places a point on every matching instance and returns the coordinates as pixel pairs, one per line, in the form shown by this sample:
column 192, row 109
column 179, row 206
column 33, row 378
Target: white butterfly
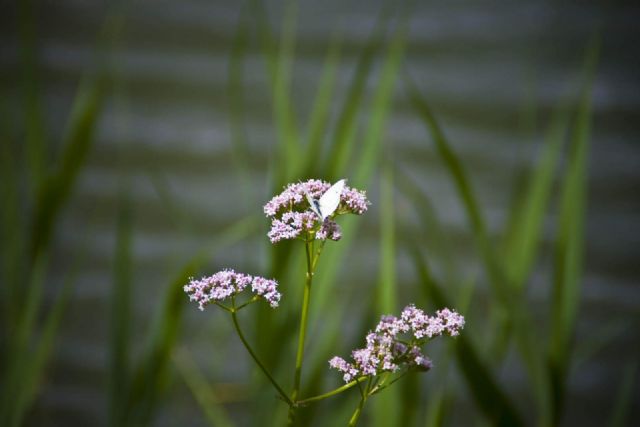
column 328, row 203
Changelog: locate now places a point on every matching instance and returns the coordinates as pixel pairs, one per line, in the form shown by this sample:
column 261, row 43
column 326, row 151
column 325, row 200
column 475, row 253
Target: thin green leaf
column 57, row 188
column 19, row 359
column 387, row 405
column 237, row 119
column 569, row 252
column 150, row 375
column 202, row 392
column 525, row 237
column 46, row 340
column 35, row 134
column 623, row 400
column 381, row 105
column 347, row 125
column 511, row 306
column 435, row 238
column 11, row 240
column 319, row 119
column 120, row 318
column 487, row 393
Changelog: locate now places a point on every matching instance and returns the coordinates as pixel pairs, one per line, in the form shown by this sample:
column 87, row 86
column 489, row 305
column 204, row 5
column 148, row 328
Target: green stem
column 283, row 395
column 356, row 414
column 251, row 301
column 308, row 245
column 329, row 393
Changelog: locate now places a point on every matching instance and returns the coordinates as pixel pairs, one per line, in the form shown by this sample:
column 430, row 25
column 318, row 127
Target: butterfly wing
column 313, row 204
column 330, row 200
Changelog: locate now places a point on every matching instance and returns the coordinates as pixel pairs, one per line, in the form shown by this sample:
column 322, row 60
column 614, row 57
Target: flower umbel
column 396, row 342
column 291, row 215
column 227, row 283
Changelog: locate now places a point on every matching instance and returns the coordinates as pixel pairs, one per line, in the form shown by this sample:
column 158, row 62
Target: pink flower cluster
column 227, row 283
column 387, row 351
column 291, row 215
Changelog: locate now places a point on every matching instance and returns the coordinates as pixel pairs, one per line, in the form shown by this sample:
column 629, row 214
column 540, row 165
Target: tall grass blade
column 34, row 123
column 381, row 105
column 214, row 412
column 283, row 108
column 570, row 244
column 279, row 60
column 38, row 362
column 120, row 321
column 347, row 125
column 488, row 395
column 11, row 240
column 435, row 238
column 524, row 240
column 623, row 401
column 510, row 304
column 464, row 189
column 19, row 353
column 363, row 169
column 237, row 119
column 386, row 405
column 57, row 188
column 150, row 375
column 319, row 119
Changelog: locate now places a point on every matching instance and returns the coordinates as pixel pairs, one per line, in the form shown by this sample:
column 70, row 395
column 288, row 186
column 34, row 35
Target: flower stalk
column 304, row 314
column 255, row 358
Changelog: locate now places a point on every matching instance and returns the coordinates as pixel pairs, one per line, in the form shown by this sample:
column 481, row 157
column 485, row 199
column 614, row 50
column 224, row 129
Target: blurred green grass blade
column 437, row 407
column 263, row 31
column 599, row 339
column 46, row 340
column 279, row 61
column 120, row 316
column 569, row 251
column 19, row 358
column 320, row 114
column 34, row 123
column 11, row 240
column 515, row 312
column 57, row 188
column 523, row 240
column 237, row 119
column 331, row 259
column 347, row 124
column 387, row 405
column 151, row 373
column 174, row 210
column 463, row 187
column 283, row 108
column 202, row 392
column 623, row 402
column 381, row 105
column 490, row 398
column 386, row 300
column 435, row 237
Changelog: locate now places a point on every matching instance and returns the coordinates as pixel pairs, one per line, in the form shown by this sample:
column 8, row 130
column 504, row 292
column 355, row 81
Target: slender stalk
column 283, row 395
column 303, row 327
column 329, row 393
column 251, row 301
column 356, row 414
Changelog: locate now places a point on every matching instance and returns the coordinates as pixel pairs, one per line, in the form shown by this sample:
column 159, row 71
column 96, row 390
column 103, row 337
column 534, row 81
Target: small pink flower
column 292, row 217
column 227, row 283
column 386, row 350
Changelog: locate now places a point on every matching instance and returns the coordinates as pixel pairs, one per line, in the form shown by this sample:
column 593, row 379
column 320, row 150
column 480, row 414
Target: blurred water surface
column 492, row 70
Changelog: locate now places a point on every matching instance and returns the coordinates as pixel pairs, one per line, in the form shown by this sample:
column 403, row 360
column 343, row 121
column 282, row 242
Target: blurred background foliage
column 497, row 142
